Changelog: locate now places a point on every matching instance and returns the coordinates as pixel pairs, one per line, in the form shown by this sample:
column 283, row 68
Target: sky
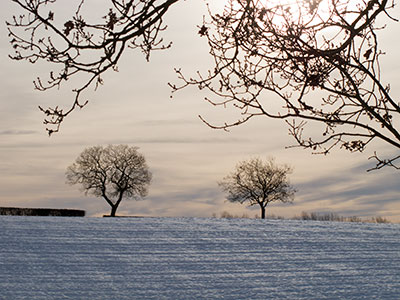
column 186, row 157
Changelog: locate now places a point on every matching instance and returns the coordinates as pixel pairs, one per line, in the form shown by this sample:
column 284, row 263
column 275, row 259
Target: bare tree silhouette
column 258, row 183
column 306, row 62
column 80, row 47
column 114, row 172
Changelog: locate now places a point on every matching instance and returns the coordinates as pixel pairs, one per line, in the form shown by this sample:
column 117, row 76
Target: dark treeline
column 16, row 211
column 313, row 216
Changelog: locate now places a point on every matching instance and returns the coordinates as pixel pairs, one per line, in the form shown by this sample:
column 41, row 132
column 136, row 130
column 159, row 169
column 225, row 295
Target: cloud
column 167, row 122
column 354, row 192
column 186, row 140
column 18, row 132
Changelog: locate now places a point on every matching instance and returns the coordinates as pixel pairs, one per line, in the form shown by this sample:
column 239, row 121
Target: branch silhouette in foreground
column 80, row 48
column 308, row 63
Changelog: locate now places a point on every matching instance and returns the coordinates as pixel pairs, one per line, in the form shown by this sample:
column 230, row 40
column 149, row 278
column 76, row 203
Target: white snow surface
column 193, row 258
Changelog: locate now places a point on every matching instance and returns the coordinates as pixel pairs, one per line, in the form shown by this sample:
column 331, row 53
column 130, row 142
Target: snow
column 193, row 258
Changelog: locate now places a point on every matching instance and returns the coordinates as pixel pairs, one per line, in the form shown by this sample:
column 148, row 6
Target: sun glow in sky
column 186, row 157
column 311, row 11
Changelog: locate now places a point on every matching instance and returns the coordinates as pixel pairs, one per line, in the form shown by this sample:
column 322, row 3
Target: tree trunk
column 262, row 212
column 113, row 210
column 115, row 206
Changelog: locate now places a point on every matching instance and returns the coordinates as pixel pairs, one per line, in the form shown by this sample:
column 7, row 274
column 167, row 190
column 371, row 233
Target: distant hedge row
column 16, row 211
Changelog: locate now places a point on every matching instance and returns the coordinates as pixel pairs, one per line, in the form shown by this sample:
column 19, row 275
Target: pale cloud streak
column 17, row 132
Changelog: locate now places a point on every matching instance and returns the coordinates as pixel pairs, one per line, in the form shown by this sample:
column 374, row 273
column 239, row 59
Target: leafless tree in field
column 114, row 172
column 258, row 183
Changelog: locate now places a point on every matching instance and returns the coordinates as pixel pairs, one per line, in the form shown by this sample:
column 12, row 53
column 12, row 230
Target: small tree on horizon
column 258, row 183
column 114, row 173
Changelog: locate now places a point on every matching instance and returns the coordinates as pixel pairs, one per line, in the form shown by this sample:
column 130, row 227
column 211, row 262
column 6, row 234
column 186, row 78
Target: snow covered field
column 189, row 258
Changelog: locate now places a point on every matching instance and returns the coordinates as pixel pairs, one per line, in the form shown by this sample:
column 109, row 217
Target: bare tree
column 114, row 173
column 306, row 62
column 258, row 183
column 80, row 47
